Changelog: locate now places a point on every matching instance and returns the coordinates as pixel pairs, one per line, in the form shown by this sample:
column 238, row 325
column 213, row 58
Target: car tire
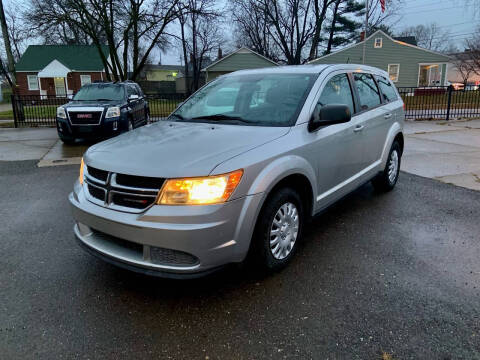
column 66, row 140
column 387, row 179
column 278, row 230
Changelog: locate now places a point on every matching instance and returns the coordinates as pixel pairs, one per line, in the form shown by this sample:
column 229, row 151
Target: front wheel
column 278, row 230
column 387, row 179
column 66, row 140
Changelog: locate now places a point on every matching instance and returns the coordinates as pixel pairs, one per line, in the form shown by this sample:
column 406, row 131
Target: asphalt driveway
column 395, row 273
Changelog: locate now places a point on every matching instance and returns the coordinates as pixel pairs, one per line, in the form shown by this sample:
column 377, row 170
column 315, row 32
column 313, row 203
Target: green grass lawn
column 460, row 100
column 33, row 112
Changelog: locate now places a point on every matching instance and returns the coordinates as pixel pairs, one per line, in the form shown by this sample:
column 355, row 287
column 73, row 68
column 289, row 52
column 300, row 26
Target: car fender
column 278, row 170
column 394, row 130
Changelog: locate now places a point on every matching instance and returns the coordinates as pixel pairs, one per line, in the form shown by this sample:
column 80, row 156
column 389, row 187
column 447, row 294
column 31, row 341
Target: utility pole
column 366, row 29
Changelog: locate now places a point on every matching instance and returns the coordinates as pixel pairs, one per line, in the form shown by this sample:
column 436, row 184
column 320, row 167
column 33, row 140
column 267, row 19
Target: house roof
column 406, row 39
column 241, row 51
column 74, row 57
column 388, row 37
column 164, row 67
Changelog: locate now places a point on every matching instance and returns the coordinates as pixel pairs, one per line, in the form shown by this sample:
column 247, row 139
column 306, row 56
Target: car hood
column 74, row 104
column 177, row 149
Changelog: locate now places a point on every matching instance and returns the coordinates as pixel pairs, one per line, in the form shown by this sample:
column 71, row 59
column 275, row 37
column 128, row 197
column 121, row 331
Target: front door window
column 430, row 75
column 60, row 86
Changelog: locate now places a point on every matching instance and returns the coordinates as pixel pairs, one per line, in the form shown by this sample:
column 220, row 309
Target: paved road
column 397, row 273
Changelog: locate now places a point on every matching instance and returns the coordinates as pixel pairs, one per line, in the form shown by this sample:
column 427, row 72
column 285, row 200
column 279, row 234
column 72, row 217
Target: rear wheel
column 387, row 179
column 278, row 230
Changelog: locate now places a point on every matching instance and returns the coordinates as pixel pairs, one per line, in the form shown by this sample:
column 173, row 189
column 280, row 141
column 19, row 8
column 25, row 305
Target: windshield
column 256, row 99
column 103, row 92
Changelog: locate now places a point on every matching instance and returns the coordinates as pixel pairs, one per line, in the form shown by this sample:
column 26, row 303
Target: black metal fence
column 440, row 102
column 41, row 110
column 420, row 104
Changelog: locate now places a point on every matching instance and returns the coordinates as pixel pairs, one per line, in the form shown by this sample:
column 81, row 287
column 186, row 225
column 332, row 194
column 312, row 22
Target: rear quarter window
column 387, row 89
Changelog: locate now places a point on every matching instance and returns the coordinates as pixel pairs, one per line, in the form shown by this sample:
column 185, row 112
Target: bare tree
column 130, row 27
column 200, row 35
column 429, row 36
column 252, row 28
column 473, row 53
column 463, row 65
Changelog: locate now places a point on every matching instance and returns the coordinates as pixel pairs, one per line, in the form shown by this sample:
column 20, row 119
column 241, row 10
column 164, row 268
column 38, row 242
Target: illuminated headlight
column 80, row 175
column 113, row 112
column 199, row 191
column 61, row 113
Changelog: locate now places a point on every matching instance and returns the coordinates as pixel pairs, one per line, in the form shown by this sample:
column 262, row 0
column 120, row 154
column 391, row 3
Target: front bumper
column 167, row 240
column 107, row 128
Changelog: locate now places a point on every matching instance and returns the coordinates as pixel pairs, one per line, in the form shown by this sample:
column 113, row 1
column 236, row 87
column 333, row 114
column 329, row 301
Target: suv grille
column 121, row 192
column 85, row 117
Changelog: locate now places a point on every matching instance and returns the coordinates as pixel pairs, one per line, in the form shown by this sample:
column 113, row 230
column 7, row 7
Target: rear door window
column 388, row 90
column 367, row 90
column 337, row 91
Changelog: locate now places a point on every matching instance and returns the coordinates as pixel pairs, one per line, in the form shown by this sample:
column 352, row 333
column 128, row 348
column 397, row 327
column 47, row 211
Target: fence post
column 14, row 108
column 449, row 101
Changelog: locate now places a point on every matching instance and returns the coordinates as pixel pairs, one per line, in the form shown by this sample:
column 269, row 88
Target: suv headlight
column 113, row 112
column 199, row 191
column 61, row 113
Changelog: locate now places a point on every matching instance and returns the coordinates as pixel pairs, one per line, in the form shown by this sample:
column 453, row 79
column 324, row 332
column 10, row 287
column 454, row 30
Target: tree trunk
column 8, row 46
column 332, row 27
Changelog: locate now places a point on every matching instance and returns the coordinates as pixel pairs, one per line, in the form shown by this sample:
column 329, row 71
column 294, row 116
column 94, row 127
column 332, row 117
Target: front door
column 60, row 90
column 338, row 148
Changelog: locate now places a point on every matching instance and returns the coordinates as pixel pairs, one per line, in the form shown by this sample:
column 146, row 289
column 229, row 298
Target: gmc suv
column 237, row 169
column 102, row 110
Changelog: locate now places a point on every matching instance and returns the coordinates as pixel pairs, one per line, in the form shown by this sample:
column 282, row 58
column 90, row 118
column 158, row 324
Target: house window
column 85, row 79
column 393, row 70
column 32, row 82
column 430, row 75
column 378, row 43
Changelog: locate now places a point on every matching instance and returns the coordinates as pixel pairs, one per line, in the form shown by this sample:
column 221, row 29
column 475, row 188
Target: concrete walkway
column 446, row 151
column 38, row 144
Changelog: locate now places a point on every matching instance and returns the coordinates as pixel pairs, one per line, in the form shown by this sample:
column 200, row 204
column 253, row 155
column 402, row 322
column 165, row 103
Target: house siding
column 48, row 85
column 391, row 52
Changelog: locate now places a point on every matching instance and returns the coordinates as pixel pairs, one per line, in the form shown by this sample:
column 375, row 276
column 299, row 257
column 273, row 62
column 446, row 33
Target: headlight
column 61, row 113
column 80, row 176
column 199, row 191
column 113, row 112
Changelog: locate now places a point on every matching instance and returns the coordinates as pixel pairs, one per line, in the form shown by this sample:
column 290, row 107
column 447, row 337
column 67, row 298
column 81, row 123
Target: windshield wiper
column 103, row 100
column 180, row 117
column 222, row 117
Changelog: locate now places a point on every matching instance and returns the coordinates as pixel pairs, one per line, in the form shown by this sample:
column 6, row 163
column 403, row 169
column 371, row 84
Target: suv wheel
column 386, row 180
column 278, row 230
column 66, row 140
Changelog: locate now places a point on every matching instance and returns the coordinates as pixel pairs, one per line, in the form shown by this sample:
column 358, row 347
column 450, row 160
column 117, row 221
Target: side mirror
column 133, row 97
column 329, row 115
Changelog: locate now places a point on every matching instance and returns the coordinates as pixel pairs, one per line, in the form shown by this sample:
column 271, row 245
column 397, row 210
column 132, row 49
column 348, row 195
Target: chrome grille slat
column 117, row 196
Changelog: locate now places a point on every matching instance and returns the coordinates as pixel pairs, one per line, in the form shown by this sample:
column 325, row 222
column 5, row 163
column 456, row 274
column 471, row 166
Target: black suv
column 102, row 110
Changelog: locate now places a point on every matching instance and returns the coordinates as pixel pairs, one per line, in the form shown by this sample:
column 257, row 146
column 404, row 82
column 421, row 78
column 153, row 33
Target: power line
column 430, row 10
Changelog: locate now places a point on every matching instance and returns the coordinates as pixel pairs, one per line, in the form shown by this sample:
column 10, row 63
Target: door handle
column 358, row 128
column 388, row 116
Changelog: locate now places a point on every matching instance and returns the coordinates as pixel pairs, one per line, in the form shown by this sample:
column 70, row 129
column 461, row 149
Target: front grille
column 139, row 181
column 171, row 257
column 117, row 241
column 120, row 191
column 157, row 255
column 85, row 117
column 97, row 173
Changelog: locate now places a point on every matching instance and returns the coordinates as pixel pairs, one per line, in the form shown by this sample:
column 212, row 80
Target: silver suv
column 236, row 170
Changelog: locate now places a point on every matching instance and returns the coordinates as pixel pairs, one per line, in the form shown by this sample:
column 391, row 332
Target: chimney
column 219, row 56
column 362, row 36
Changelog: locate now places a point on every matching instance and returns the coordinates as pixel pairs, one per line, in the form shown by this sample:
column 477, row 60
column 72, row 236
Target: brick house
column 58, row 70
